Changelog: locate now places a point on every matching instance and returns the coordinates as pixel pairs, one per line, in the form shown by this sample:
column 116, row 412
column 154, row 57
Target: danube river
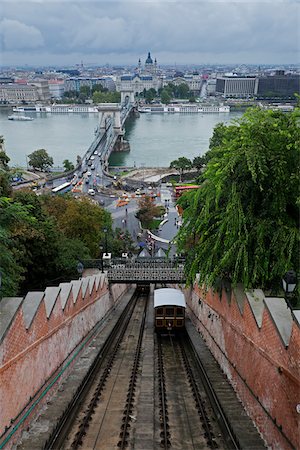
column 155, row 139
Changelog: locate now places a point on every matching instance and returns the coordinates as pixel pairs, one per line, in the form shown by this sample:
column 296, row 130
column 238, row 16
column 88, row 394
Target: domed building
column 149, row 66
column 143, row 78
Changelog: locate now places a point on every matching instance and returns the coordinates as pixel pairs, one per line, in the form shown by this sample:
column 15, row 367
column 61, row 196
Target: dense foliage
column 147, row 211
column 42, row 239
column 39, row 159
column 98, row 94
column 243, row 223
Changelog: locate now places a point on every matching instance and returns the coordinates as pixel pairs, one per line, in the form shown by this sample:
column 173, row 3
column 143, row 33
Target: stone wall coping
column 280, row 313
column 297, row 315
column 76, row 285
column 31, row 302
column 239, row 294
column 256, row 301
column 51, row 294
column 84, row 285
column 91, row 282
column 65, row 289
column 8, row 309
column 30, row 306
column 282, row 317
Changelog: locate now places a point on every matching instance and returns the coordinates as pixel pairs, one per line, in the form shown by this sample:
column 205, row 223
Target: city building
column 56, row 88
column 278, row 86
column 75, row 83
column 18, row 93
column 211, row 87
column 194, row 81
column 22, row 91
column 233, row 86
column 144, row 78
column 42, row 87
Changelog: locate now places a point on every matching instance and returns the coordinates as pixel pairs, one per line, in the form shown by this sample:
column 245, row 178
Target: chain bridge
column 140, row 271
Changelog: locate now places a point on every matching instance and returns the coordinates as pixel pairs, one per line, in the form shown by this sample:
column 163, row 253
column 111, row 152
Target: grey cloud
column 16, row 35
column 125, row 29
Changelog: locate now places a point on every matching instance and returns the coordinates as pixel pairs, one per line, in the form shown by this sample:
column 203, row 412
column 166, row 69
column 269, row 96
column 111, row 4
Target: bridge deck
column 140, row 271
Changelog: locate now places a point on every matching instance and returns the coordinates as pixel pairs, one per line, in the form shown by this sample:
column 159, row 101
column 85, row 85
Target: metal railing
column 135, row 270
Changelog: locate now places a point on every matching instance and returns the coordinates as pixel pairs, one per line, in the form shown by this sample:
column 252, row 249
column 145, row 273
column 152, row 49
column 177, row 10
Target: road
column 124, row 218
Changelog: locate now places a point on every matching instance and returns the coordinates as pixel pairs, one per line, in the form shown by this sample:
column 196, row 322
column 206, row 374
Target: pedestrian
column 126, row 211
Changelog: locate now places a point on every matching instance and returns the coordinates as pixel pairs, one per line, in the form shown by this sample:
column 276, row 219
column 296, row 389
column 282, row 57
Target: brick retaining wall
column 256, row 341
column 40, row 332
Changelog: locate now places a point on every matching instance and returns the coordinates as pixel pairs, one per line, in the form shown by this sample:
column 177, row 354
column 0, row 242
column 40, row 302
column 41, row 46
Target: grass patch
column 153, row 225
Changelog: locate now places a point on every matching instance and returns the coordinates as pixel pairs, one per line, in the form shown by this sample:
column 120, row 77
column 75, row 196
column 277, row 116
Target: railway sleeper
column 165, row 443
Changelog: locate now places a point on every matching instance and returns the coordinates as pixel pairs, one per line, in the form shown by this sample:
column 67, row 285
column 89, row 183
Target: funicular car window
column 179, row 312
column 169, row 311
column 159, row 311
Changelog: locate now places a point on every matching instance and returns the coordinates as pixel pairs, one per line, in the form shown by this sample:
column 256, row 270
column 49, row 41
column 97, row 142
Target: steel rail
column 132, row 383
column 224, row 424
column 197, row 397
column 165, row 435
column 64, row 424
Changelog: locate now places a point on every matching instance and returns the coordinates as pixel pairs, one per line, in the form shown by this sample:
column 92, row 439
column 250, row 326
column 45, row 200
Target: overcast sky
column 66, row 32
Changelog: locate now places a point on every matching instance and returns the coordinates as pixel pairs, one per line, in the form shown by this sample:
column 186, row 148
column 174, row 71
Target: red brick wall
column 264, row 373
column 29, row 357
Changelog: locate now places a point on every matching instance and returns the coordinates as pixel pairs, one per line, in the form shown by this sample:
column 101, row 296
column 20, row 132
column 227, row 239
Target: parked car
column 92, row 158
column 91, row 192
column 92, row 167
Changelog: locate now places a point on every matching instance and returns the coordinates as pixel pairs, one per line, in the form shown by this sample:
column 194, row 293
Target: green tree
column 198, row 162
column 99, row 88
column 121, row 242
column 4, row 160
column 13, row 216
column 243, row 223
column 150, row 95
column 106, row 97
column 148, row 211
column 165, row 97
column 182, row 91
column 70, row 94
column 81, row 220
column 85, row 90
column 39, row 159
column 181, row 164
column 68, row 165
column 5, row 187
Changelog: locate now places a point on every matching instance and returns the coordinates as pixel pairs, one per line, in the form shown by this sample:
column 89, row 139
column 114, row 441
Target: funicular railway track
column 188, row 418
column 177, row 407
column 102, row 407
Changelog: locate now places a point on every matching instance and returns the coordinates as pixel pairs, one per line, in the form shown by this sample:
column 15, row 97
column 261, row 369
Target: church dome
column 149, row 59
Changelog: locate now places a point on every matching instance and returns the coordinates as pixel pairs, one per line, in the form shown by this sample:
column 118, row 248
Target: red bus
column 179, row 190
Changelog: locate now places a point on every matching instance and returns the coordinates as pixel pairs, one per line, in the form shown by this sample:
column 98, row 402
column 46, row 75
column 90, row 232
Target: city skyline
column 38, row 32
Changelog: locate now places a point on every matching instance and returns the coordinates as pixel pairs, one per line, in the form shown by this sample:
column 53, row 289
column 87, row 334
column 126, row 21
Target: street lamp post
column 105, row 234
column 101, row 256
column 289, row 282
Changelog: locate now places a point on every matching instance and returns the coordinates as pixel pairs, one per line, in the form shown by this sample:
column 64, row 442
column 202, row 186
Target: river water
column 155, row 139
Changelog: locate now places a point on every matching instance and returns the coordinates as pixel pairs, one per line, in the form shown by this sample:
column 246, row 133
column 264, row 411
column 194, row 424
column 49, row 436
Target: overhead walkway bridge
column 140, row 271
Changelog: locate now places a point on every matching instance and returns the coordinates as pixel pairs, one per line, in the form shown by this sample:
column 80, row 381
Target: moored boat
column 19, row 117
column 184, row 108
